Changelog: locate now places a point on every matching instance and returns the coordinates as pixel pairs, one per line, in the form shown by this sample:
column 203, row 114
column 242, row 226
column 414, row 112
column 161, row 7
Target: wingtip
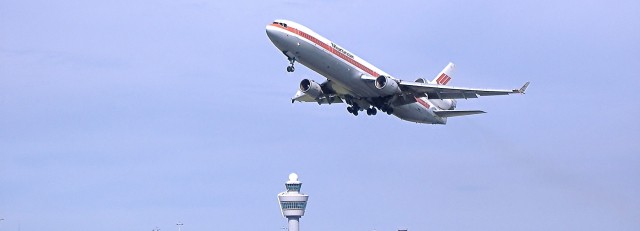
column 523, row 88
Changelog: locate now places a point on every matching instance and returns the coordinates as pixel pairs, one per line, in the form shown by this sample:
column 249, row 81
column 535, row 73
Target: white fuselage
column 343, row 68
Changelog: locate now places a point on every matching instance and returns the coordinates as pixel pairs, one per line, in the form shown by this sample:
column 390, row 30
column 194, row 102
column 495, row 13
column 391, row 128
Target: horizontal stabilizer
column 453, row 113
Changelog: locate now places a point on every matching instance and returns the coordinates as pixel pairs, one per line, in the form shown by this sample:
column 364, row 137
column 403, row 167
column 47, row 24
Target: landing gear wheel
column 291, row 68
column 352, row 110
column 371, row 111
column 356, row 107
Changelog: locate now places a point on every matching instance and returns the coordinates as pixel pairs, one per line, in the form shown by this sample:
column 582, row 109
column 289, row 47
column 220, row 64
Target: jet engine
column 311, row 88
column 445, row 104
column 421, row 80
column 387, row 85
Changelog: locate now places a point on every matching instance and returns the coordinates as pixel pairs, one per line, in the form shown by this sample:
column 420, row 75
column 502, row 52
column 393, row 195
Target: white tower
column 292, row 202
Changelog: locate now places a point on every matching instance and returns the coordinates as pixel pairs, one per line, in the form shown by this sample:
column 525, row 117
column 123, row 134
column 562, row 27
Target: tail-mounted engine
column 311, row 88
column 421, row 80
column 387, row 85
column 445, row 104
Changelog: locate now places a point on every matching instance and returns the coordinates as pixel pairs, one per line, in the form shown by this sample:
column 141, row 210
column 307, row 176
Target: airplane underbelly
column 335, row 69
column 415, row 112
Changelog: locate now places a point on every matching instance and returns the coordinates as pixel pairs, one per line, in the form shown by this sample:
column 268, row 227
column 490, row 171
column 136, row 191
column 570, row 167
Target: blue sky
column 127, row 115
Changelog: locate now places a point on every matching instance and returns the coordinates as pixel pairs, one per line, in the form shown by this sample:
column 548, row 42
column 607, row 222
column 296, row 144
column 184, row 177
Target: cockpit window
column 281, row 24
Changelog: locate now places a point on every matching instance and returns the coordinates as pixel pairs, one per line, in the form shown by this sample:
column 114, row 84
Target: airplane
column 364, row 87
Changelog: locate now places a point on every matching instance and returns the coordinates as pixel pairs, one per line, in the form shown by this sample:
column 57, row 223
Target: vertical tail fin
column 445, row 75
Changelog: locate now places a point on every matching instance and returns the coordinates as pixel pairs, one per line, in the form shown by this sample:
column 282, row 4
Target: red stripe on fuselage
column 328, row 47
column 422, row 102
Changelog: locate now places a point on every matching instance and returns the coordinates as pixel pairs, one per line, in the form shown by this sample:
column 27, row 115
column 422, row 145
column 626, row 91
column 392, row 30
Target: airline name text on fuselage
column 341, row 50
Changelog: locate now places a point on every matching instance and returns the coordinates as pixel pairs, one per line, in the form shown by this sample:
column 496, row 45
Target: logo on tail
column 443, row 79
column 444, row 76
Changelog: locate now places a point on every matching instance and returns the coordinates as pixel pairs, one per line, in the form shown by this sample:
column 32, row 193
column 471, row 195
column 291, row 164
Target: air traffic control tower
column 292, row 202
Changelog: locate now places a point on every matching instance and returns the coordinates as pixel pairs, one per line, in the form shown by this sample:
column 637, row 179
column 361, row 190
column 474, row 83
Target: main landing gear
column 372, row 111
column 387, row 109
column 291, row 68
column 382, row 106
column 353, row 109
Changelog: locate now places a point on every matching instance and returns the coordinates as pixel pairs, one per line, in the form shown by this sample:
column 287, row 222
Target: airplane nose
column 274, row 35
column 270, row 31
column 279, row 38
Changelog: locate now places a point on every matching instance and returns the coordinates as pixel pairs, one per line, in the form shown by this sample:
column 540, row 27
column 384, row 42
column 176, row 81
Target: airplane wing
column 453, row 113
column 449, row 92
column 329, row 99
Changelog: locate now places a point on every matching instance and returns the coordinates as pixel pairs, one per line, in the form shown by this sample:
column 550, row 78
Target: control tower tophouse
column 292, row 202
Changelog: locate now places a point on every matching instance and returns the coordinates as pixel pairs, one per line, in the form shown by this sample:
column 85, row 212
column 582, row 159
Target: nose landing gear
column 291, row 68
